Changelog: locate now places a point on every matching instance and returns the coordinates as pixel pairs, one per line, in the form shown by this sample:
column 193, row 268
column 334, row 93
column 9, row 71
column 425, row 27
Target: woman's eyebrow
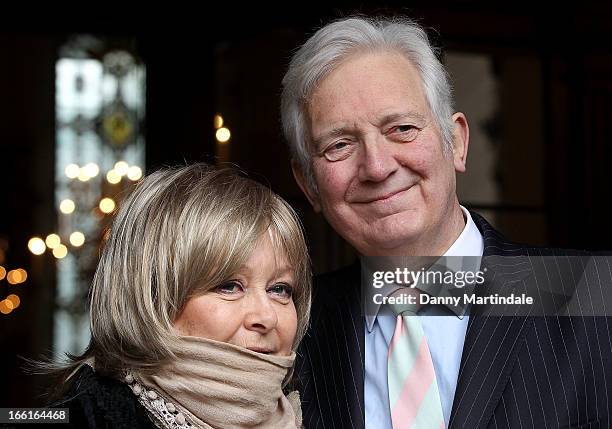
column 281, row 269
column 285, row 269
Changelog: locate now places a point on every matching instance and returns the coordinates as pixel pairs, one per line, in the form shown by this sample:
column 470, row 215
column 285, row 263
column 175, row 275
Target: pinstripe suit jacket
column 515, row 372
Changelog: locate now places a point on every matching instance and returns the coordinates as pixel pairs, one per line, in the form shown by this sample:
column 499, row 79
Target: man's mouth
column 383, row 197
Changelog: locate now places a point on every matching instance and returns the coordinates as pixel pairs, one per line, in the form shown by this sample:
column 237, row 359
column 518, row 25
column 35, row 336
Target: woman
column 200, row 299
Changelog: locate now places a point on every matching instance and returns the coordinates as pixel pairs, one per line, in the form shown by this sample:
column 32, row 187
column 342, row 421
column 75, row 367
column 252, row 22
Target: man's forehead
column 371, row 68
column 381, row 83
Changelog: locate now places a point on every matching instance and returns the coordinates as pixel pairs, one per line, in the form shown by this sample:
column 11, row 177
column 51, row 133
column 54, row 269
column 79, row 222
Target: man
column 367, row 111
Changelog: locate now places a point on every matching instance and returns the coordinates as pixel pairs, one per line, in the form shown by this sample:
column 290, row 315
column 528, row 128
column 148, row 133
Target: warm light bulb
column 72, row 171
column 122, row 168
column 60, row 251
column 134, row 173
column 10, row 277
column 2, row 272
column 6, row 306
column 67, row 206
column 15, row 277
column 23, row 273
column 113, row 177
column 91, row 169
column 77, row 239
column 223, row 135
column 36, row 245
column 14, row 299
column 52, row 241
column 218, row 121
column 107, row 205
column 83, row 176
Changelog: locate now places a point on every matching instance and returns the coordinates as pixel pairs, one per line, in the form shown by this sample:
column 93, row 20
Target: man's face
column 384, row 181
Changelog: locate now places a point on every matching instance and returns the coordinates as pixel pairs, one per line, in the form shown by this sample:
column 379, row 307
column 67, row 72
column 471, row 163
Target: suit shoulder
column 496, row 244
column 338, row 277
column 330, row 287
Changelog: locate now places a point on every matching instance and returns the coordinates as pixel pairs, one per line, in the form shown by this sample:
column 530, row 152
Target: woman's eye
column 282, row 290
column 229, row 288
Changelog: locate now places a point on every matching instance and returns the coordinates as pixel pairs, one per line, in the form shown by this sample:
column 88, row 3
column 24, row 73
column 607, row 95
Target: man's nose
column 260, row 314
column 377, row 161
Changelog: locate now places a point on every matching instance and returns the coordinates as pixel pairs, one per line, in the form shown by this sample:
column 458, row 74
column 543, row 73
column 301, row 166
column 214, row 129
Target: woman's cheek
column 205, row 317
column 224, row 320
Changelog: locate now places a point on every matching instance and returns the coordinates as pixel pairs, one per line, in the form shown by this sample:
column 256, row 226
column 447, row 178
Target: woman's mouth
column 263, row 350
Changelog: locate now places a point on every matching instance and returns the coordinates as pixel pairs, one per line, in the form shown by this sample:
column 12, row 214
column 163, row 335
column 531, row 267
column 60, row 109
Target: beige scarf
column 219, row 385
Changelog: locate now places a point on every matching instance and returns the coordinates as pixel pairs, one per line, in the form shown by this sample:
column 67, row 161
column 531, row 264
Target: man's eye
column 282, row 290
column 404, row 132
column 338, row 151
column 229, row 288
column 338, row 146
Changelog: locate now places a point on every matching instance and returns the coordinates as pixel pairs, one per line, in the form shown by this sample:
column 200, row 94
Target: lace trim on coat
column 165, row 414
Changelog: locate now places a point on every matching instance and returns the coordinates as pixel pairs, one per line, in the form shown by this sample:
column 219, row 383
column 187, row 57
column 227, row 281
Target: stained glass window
column 100, row 148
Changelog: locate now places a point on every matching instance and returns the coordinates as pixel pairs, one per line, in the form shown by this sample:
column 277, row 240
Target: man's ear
column 312, row 196
column 461, row 140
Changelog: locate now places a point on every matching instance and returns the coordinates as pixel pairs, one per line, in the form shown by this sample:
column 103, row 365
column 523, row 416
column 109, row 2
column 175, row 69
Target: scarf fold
column 220, row 385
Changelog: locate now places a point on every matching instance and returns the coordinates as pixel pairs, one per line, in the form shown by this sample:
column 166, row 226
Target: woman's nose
column 260, row 314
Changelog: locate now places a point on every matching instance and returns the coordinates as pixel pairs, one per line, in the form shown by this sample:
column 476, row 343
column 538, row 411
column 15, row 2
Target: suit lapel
column 336, row 349
column 491, row 344
column 338, row 354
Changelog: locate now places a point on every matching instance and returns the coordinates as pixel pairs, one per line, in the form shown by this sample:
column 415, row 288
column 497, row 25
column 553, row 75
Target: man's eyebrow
column 334, row 132
column 392, row 117
column 385, row 119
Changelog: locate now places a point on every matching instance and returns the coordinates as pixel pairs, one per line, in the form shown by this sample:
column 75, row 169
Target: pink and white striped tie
column 414, row 399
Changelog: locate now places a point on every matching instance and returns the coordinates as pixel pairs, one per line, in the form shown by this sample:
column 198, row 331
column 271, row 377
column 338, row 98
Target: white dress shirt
column 445, row 336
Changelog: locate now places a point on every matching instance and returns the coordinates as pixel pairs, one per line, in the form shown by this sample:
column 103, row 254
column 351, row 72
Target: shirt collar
column 469, row 243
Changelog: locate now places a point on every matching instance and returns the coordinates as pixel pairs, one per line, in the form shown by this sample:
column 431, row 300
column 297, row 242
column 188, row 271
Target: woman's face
column 254, row 309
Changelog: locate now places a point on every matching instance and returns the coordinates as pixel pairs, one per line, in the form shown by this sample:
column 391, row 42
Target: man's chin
column 391, row 246
column 389, row 237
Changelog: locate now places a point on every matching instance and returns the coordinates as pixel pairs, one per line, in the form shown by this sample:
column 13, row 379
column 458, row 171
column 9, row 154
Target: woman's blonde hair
column 181, row 232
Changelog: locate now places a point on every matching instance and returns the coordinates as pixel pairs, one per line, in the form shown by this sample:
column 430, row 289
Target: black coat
column 99, row 402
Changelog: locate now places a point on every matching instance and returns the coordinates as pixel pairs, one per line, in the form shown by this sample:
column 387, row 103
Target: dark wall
column 180, row 98
column 26, row 176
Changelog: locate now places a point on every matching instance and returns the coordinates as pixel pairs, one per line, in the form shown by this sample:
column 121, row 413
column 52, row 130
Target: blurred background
column 92, row 101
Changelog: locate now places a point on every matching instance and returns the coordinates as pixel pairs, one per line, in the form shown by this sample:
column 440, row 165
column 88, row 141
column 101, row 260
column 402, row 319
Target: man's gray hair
column 336, row 41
